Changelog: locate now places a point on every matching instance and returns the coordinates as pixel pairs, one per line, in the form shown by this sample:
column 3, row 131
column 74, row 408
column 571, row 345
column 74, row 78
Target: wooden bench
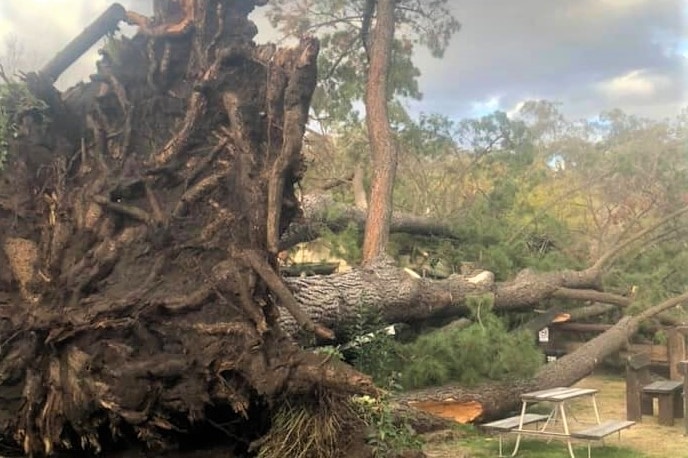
column 506, row 425
column 599, row 432
column 669, row 400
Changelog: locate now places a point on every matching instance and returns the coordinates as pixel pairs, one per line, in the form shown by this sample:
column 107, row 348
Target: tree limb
column 591, row 295
column 321, row 212
column 609, row 256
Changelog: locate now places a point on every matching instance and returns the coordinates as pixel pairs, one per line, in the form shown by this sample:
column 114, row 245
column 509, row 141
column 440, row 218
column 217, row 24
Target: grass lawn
column 644, row 440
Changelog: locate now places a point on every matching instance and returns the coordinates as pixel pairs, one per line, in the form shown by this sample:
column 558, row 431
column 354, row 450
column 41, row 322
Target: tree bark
column 106, row 23
column 497, row 399
column 383, row 148
column 334, row 300
column 138, row 288
column 321, row 212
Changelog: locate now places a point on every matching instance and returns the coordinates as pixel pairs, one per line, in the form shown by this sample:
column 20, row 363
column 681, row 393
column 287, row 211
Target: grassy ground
column 644, row 440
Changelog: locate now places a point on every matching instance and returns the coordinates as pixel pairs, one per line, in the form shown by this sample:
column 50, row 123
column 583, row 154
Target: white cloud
column 634, row 84
column 581, row 52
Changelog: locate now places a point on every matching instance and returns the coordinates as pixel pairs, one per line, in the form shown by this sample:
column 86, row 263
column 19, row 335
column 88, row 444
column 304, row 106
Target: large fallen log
column 333, row 300
column 399, row 297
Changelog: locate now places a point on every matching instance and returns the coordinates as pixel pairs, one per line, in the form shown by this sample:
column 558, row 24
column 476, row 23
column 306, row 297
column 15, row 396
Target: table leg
column 520, row 427
column 594, row 406
column 565, row 423
column 552, row 418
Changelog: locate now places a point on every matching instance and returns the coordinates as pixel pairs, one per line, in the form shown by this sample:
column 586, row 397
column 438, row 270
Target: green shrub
column 15, row 100
column 373, row 350
column 483, row 350
column 387, row 435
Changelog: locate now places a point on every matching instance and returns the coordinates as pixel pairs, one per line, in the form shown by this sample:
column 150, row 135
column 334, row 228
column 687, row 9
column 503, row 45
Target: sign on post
column 543, row 335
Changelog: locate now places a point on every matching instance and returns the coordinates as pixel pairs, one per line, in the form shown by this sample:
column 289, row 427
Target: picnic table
column 559, row 397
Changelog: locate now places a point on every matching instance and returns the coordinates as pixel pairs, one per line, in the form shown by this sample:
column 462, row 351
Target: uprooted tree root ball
column 139, row 220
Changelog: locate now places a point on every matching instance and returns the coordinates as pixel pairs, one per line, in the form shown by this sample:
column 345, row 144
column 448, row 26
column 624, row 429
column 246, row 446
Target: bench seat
column 603, row 430
column 599, row 432
column 669, row 400
column 507, row 424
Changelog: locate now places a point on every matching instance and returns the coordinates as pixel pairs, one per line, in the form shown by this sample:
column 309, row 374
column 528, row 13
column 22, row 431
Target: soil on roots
column 138, row 216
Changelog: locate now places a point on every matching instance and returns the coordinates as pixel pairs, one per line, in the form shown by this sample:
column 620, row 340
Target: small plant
column 372, row 348
column 387, row 434
column 331, row 351
column 15, row 101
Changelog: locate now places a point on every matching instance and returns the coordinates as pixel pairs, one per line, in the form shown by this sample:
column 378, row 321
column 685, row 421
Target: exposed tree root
column 275, row 284
column 137, row 300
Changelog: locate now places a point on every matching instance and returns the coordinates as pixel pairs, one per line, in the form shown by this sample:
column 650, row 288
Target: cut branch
column 104, row 24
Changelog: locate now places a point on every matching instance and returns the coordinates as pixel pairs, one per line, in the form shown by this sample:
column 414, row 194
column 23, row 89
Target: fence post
column 637, row 376
column 676, row 346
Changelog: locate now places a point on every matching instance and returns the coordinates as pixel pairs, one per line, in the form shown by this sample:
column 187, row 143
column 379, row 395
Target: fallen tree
column 491, row 400
column 141, row 216
column 399, row 297
column 139, row 220
column 333, row 300
column 321, row 212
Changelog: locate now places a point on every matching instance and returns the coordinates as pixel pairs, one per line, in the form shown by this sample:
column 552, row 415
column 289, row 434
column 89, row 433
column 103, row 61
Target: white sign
column 543, row 335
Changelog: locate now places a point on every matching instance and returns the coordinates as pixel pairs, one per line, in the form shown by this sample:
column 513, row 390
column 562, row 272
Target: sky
column 589, row 55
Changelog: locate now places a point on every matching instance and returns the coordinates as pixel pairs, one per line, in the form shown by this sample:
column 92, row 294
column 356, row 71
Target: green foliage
column 660, row 337
column 15, row 101
column 387, row 435
column 374, row 352
column 343, row 27
column 484, row 350
column 345, row 244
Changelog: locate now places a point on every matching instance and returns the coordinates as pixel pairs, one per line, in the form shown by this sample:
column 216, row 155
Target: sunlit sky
column 590, row 55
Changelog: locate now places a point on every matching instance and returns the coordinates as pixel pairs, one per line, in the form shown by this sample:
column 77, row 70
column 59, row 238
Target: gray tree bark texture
column 333, row 300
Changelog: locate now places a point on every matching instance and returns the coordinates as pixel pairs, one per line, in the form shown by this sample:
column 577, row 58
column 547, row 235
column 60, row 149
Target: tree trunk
column 334, row 300
column 137, row 277
column 498, row 399
column 383, row 147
